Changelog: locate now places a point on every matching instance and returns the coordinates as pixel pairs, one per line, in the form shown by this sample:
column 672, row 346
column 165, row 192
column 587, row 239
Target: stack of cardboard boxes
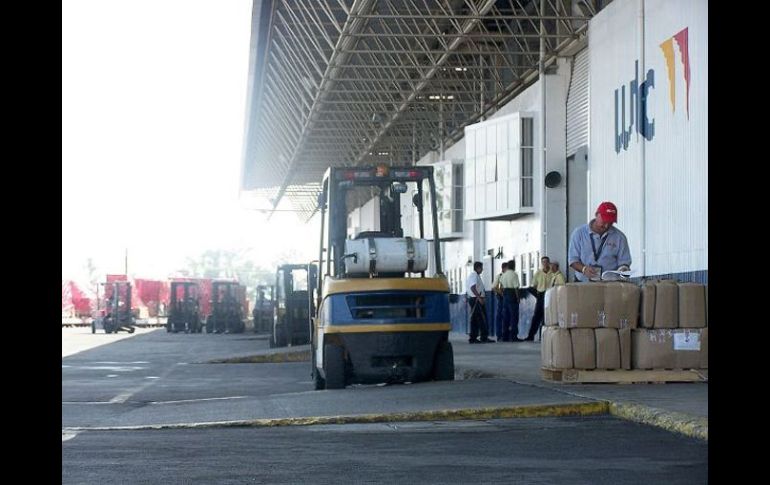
column 674, row 333
column 594, row 326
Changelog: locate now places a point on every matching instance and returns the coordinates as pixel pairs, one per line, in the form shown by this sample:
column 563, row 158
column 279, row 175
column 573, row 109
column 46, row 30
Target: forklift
column 263, row 308
column 184, row 308
column 226, row 310
column 294, row 285
column 116, row 314
column 381, row 316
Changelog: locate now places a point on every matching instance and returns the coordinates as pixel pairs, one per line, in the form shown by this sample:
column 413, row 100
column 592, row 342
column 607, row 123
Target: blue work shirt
column 612, row 249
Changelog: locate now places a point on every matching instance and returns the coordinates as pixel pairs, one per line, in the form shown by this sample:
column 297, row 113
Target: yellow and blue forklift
column 380, row 317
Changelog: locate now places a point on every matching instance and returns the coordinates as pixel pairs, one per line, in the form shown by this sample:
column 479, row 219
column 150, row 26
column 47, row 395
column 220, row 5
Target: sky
column 153, row 109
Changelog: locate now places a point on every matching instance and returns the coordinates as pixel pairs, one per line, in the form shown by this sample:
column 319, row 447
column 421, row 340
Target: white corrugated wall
column 577, row 104
column 677, row 157
column 613, row 42
column 660, row 184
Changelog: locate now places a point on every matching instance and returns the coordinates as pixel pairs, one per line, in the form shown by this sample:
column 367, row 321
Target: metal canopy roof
column 348, row 82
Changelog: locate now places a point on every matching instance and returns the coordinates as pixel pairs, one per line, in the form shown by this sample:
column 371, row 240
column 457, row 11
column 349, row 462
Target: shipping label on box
column 687, row 341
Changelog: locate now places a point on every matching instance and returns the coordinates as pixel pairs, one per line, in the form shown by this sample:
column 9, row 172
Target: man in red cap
column 598, row 246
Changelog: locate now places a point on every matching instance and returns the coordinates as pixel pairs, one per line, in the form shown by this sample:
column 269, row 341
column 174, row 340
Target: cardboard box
column 688, row 348
column 668, row 348
column 706, row 290
column 583, row 348
column 607, row 348
column 692, row 305
column 621, row 305
column 647, row 305
column 556, row 348
column 546, row 352
column 580, row 305
column 624, row 336
column 666, row 306
column 704, row 348
column 659, row 304
column 651, row 349
column 549, row 305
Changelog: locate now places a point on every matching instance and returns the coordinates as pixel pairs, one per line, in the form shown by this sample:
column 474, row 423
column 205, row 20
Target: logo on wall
column 684, row 54
column 633, row 119
column 637, row 110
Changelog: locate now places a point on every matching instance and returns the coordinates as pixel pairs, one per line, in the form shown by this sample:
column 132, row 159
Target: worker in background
column 475, row 294
column 539, row 285
column 510, row 283
column 498, row 289
column 555, row 276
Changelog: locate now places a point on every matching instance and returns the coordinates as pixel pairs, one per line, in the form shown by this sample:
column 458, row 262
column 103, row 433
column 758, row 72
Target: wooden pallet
column 621, row 376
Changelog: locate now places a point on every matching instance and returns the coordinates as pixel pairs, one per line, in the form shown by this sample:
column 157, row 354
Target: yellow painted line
column 531, row 411
column 693, row 426
column 332, row 286
column 398, row 327
column 278, row 357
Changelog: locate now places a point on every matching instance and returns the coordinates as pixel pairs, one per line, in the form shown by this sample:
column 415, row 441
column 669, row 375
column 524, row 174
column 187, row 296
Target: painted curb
column 532, row 411
column 278, row 357
column 692, row 426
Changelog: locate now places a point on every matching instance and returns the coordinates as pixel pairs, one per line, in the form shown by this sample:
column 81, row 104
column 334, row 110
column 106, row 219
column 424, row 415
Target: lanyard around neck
column 601, row 246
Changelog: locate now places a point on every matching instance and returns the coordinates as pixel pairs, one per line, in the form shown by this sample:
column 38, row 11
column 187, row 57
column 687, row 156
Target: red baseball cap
column 608, row 211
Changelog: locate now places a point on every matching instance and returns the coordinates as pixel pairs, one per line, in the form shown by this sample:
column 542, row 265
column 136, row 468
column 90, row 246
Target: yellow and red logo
column 668, row 52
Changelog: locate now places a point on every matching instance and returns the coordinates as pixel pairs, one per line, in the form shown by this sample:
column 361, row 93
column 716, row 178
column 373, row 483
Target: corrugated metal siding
column 672, row 214
column 613, row 47
column 677, row 157
column 577, row 104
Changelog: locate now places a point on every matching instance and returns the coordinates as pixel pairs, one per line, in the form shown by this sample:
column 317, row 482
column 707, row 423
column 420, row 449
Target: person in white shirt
column 475, row 293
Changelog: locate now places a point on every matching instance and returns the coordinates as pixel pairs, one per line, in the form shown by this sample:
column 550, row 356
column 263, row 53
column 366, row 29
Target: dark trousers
column 510, row 315
column 537, row 317
column 478, row 320
column 499, row 316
